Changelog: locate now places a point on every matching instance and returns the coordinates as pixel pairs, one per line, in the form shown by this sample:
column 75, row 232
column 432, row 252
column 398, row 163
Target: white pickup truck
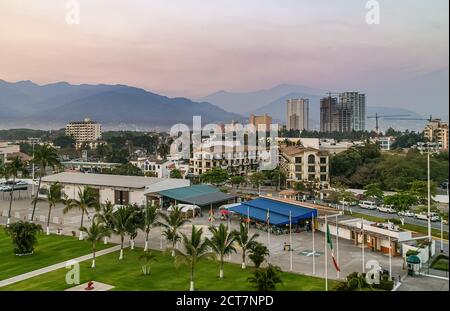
column 387, row 209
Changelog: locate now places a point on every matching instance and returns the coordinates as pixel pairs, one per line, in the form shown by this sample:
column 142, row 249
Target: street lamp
column 428, row 148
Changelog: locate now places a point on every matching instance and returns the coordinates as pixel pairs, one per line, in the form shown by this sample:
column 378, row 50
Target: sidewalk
column 57, row 266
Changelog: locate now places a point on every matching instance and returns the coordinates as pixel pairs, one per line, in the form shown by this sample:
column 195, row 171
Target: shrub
column 24, row 236
column 411, row 253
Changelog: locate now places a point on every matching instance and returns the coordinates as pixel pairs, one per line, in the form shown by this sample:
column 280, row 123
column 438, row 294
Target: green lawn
column 420, row 229
column 126, row 275
column 441, row 263
column 50, row 250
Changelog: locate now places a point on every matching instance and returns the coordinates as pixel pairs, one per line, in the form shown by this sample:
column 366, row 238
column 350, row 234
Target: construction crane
column 377, row 117
column 414, row 119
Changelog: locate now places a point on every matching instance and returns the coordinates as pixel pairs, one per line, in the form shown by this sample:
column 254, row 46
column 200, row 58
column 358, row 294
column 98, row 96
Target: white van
column 368, row 205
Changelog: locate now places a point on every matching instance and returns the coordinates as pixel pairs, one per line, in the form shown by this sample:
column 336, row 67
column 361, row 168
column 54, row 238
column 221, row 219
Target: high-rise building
column 86, row 131
column 264, row 121
column 327, row 113
column 297, row 114
column 437, row 131
column 356, row 102
column 342, row 119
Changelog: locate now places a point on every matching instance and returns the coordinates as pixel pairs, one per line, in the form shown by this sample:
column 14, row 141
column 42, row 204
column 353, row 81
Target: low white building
column 7, row 150
column 376, row 236
column 154, row 166
column 116, row 189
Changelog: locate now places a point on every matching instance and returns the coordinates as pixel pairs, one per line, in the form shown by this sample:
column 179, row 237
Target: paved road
column 408, row 220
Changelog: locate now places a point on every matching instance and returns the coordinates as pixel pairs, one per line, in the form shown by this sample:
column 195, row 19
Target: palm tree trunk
column 10, row 200
column 121, row 248
column 192, row 288
column 93, row 255
column 48, row 219
column 146, row 241
column 173, row 248
column 36, row 197
column 243, row 259
column 81, row 225
column 221, row 268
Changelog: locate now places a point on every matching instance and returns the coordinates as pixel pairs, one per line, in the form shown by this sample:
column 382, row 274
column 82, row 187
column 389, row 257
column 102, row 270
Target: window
column 323, row 177
column 298, row 168
column 311, row 177
column 298, row 160
column 311, row 159
column 298, row 176
column 323, row 169
column 323, row 160
column 311, row 169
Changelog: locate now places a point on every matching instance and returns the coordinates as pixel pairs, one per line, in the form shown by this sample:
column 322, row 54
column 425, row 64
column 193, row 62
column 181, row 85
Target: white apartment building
column 237, row 160
column 86, row 131
column 305, row 164
column 154, row 166
column 297, row 114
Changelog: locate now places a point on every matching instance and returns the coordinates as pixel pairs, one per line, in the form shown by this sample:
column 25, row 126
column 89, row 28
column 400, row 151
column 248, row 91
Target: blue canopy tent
column 278, row 211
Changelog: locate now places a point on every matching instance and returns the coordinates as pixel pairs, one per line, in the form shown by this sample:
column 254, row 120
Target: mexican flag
column 330, row 244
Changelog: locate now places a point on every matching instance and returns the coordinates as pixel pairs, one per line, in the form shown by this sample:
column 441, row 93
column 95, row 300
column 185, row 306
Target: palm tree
column 104, row 214
column 44, row 156
column 195, row 250
column 172, row 222
column 122, row 219
column 222, row 243
column 146, row 258
column 86, row 200
column 266, row 279
column 12, row 169
column 258, row 253
column 54, row 196
column 95, row 234
column 150, row 219
column 244, row 241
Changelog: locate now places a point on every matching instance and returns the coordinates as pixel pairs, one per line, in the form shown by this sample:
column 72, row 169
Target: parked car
column 421, row 216
column 387, row 209
column 368, row 205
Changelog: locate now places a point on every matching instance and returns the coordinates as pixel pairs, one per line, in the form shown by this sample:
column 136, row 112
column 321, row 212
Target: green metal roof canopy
column 198, row 194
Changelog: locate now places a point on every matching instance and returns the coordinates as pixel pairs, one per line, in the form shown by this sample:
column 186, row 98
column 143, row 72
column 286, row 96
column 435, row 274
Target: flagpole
column 268, row 231
column 248, row 218
column 337, row 245
column 326, row 255
column 290, row 239
column 313, row 245
column 363, row 242
column 390, row 258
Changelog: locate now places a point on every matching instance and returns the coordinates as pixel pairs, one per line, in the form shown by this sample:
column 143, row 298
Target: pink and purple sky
column 196, row 47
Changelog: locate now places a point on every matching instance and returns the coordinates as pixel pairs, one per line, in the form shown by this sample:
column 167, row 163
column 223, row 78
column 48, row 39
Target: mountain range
column 26, row 104
column 29, row 105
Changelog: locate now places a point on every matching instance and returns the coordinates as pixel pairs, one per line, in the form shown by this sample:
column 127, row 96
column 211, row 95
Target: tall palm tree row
column 244, row 241
column 222, row 243
column 150, row 220
column 194, row 250
column 86, row 200
column 94, row 234
column 121, row 220
column 172, row 222
column 45, row 156
column 12, row 169
column 104, row 214
column 53, row 197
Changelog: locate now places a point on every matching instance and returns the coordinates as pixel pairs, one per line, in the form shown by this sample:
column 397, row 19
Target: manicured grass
column 165, row 276
column 417, row 228
column 441, row 263
column 49, row 250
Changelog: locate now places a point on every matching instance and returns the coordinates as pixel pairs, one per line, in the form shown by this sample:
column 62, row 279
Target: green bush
column 24, row 236
column 411, row 253
column 384, row 285
column 395, row 221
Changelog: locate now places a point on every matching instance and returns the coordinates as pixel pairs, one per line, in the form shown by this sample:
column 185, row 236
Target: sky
column 195, row 47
